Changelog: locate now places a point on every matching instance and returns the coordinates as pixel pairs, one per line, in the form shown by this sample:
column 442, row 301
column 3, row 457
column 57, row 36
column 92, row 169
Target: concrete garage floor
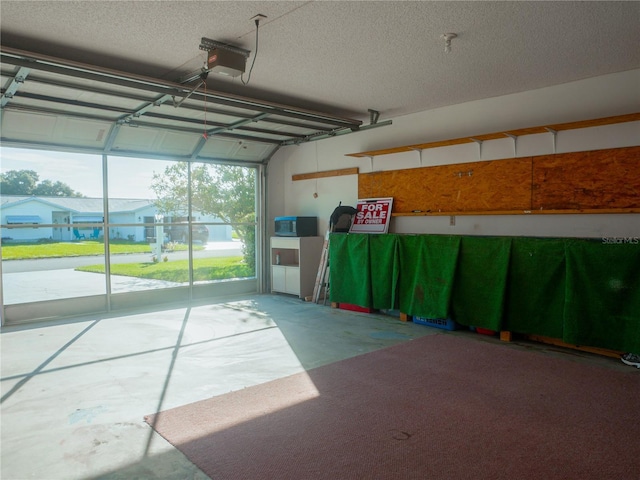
column 74, row 392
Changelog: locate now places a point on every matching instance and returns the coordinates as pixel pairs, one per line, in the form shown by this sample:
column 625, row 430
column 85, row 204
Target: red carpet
column 438, row 407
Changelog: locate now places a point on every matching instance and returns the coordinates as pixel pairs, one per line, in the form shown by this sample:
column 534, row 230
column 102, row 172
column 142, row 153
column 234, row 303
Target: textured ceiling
column 343, row 57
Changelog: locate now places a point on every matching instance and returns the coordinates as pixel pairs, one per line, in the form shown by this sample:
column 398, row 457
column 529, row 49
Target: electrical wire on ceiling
column 255, row 52
column 315, row 192
column 205, row 135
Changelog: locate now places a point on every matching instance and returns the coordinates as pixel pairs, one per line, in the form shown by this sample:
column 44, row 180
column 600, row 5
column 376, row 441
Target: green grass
column 216, row 268
column 75, row 249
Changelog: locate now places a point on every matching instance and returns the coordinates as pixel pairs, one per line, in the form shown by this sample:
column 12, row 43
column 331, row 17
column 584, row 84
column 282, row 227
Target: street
column 212, row 249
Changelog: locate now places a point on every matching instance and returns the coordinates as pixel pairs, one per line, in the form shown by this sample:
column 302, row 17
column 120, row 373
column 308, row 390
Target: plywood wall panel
column 601, row 179
column 498, row 185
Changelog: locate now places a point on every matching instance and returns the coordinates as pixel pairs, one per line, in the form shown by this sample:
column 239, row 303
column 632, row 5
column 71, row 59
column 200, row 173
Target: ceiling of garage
column 329, row 62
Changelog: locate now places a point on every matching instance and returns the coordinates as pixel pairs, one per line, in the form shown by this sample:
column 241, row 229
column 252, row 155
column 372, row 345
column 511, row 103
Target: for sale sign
column 374, row 215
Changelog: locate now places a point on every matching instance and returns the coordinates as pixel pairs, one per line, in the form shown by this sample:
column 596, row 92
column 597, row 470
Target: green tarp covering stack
column 481, row 281
column 582, row 291
column 602, row 301
column 384, row 262
column 427, row 296
column 349, row 269
column 535, row 297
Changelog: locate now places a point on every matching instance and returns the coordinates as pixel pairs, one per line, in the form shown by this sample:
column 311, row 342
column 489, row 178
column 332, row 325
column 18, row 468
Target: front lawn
column 21, row 251
column 216, row 268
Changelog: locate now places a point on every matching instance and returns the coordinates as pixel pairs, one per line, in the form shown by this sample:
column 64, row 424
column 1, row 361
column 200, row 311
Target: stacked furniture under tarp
column 581, row 291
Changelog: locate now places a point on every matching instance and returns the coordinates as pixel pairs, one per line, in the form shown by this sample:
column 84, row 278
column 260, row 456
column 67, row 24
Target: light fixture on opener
column 447, row 37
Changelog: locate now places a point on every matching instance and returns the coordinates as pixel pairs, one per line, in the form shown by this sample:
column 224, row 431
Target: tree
column 18, row 182
column 227, row 192
column 26, row 182
column 47, row 188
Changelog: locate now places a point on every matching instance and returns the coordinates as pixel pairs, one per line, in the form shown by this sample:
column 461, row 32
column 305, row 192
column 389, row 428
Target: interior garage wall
column 599, row 97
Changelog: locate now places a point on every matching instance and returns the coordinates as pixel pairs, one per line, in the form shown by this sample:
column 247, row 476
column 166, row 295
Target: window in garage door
column 52, row 225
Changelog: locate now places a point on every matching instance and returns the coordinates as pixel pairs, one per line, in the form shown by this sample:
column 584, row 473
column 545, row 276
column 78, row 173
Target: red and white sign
column 374, row 215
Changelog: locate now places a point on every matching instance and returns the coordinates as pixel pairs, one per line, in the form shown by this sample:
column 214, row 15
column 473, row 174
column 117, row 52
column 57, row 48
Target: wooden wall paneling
column 393, row 183
column 600, row 179
column 499, row 185
column 495, row 186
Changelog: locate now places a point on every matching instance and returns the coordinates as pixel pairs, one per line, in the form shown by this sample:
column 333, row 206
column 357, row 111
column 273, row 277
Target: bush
column 248, row 233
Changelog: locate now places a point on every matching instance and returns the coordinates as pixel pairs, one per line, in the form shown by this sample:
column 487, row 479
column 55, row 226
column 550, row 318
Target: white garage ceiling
column 337, row 59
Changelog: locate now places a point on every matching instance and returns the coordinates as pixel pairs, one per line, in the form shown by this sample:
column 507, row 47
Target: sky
column 83, row 173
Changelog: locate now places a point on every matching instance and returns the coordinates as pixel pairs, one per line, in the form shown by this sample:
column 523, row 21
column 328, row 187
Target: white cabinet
column 279, row 279
column 299, row 259
column 285, row 279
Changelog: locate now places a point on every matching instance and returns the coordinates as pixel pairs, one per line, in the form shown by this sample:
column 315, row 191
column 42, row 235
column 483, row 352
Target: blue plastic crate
column 444, row 323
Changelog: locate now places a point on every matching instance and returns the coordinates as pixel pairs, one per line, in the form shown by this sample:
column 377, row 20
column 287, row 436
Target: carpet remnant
column 437, row 407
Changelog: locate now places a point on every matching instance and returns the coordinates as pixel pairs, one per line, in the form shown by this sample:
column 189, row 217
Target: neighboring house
column 30, row 211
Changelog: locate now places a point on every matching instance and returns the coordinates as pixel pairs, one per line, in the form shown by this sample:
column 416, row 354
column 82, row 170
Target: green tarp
column 602, row 306
column 481, row 281
column 585, row 292
column 385, row 271
column 349, row 269
column 428, row 266
column 536, row 287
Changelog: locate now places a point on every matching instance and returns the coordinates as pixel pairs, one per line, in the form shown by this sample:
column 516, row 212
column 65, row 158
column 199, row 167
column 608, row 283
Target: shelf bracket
column 419, row 150
column 479, row 142
column 555, row 137
column 370, row 157
column 515, row 143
